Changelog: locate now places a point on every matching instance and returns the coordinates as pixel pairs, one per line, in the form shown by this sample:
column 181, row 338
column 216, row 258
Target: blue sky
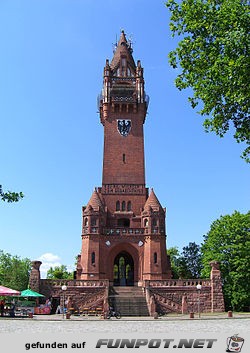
column 51, row 143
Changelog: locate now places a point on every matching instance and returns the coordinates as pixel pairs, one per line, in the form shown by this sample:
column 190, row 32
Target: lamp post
column 199, row 293
column 64, row 288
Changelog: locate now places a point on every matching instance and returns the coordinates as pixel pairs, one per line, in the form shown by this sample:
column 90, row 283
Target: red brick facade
column 123, row 233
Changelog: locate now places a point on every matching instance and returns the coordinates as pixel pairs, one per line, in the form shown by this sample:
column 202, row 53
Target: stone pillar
column 34, row 280
column 150, row 300
column 152, row 307
column 217, row 299
column 184, row 306
column 147, row 291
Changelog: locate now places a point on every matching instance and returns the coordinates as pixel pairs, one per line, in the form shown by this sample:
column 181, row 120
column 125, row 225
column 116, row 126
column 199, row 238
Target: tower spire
column 123, row 50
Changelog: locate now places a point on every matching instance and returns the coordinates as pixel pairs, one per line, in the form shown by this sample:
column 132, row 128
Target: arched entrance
column 123, row 270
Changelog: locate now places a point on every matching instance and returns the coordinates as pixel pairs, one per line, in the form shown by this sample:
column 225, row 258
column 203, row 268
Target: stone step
column 132, row 306
column 126, row 291
column 129, row 301
column 125, row 288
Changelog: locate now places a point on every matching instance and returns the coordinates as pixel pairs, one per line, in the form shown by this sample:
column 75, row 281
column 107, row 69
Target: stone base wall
column 181, row 300
column 182, row 296
column 163, row 296
column 80, row 294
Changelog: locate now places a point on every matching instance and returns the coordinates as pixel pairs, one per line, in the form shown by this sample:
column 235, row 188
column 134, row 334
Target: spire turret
column 153, row 202
column 95, row 202
column 123, row 51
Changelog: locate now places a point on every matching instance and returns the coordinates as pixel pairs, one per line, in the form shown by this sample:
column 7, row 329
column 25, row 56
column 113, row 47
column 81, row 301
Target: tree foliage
column 228, row 241
column 10, row 196
column 14, row 271
column 174, row 260
column 214, row 57
column 59, row 272
column 187, row 264
column 191, row 260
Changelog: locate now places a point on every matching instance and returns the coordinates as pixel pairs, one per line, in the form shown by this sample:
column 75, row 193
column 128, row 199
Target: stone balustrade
column 178, row 283
column 74, row 283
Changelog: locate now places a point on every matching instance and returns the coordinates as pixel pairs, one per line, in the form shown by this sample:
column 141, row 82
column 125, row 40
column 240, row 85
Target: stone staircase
column 129, row 301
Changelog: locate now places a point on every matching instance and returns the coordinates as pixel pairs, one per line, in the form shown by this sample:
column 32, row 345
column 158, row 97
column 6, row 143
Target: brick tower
column 123, row 230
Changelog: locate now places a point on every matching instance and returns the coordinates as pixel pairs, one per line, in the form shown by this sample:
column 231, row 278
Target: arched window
column 155, row 258
column 117, row 207
column 128, row 270
column 145, row 222
column 121, row 267
column 129, row 206
column 86, row 221
column 93, row 258
column 93, row 222
column 154, row 222
column 115, row 272
column 123, row 205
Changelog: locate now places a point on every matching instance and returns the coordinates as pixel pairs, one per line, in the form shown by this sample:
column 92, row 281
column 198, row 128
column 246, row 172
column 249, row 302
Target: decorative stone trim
column 134, row 189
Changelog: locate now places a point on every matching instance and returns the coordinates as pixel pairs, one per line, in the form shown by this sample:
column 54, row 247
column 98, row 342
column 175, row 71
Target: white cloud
column 49, row 257
column 51, row 260
column 71, row 268
column 48, row 260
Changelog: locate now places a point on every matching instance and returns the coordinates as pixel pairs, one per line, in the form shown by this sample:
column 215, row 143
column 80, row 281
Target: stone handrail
column 172, row 305
column 90, row 301
column 178, row 283
column 75, row 282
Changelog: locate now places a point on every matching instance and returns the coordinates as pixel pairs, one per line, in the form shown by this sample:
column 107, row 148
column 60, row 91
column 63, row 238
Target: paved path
column 55, row 324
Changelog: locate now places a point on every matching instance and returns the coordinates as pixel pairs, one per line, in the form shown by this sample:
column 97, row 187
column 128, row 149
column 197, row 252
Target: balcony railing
column 122, row 231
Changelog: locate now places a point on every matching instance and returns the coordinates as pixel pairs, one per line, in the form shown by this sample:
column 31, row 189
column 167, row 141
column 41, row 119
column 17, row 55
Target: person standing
column 2, row 304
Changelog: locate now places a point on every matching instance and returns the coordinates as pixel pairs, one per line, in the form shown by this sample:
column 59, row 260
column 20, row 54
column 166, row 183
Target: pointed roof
column 95, row 202
column 123, row 49
column 152, row 202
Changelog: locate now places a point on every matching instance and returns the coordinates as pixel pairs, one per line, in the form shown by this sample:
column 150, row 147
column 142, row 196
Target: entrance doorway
column 123, row 270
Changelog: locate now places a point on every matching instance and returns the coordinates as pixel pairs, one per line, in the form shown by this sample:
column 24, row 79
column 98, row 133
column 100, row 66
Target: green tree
column 14, row 271
column 174, row 260
column 190, row 261
column 10, row 196
column 187, row 264
column 213, row 54
column 228, row 241
column 59, row 272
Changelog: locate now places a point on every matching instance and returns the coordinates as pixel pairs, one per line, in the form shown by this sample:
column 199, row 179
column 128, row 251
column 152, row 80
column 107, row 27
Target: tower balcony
column 128, row 98
column 132, row 231
column 122, row 231
column 129, row 79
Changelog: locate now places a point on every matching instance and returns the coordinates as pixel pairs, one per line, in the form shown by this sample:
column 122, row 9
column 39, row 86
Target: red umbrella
column 4, row 291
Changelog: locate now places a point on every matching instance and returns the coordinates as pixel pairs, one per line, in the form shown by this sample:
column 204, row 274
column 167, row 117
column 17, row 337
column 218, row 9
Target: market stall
column 7, row 308
column 33, row 306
